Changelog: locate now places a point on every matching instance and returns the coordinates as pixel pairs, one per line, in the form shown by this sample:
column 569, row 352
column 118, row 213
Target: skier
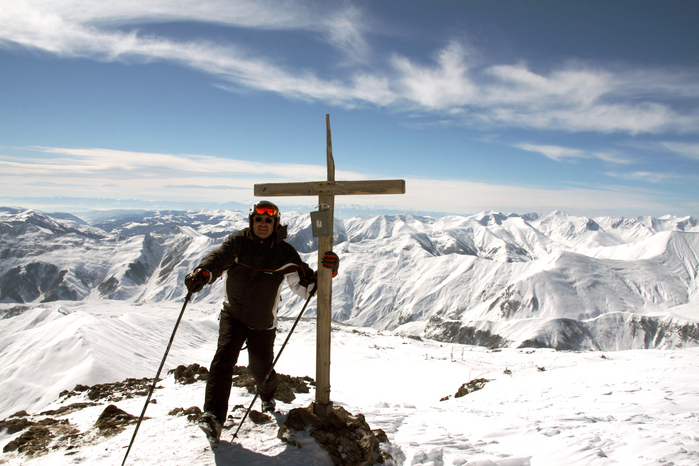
column 256, row 259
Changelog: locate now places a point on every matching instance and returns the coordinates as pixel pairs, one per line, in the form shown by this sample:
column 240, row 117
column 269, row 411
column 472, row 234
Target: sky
column 588, row 107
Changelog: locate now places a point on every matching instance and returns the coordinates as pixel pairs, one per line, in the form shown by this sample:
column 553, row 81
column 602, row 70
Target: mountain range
column 491, row 279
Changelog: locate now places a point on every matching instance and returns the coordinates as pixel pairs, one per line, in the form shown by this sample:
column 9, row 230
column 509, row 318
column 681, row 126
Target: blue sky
column 588, row 107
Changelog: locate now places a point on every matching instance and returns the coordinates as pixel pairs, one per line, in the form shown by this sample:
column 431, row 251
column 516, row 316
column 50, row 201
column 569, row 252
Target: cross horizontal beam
column 331, row 188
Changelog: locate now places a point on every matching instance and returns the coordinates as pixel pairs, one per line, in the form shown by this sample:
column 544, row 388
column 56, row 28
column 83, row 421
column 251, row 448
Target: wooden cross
column 326, row 192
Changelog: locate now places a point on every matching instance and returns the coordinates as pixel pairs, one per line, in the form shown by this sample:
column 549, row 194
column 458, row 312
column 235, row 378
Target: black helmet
column 265, row 208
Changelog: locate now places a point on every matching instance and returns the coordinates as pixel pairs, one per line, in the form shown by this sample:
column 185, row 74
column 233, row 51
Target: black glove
column 331, row 261
column 196, row 280
column 308, row 281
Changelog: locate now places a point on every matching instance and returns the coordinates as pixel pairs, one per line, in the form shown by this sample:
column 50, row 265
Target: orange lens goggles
column 266, row 210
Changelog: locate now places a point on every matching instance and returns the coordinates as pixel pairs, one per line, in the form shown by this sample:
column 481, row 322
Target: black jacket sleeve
column 223, row 258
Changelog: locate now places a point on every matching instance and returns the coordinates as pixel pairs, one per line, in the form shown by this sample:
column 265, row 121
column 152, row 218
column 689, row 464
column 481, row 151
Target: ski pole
column 155, row 380
column 257, row 393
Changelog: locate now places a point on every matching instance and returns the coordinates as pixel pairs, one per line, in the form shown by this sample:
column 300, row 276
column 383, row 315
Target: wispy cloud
column 559, row 153
column 56, row 163
column 199, row 187
column 471, row 197
column 689, row 150
column 173, row 180
column 570, row 97
column 556, row 153
column 651, row 177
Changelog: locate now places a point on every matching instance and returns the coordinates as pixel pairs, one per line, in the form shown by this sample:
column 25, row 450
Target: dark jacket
column 256, row 270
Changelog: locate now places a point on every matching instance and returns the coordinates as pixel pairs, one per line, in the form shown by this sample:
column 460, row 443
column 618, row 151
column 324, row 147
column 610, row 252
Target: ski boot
column 269, row 406
column 211, row 426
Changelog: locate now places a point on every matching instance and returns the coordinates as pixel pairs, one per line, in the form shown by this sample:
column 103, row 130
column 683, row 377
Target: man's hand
column 196, row 280
column 307, row 282
column 331, row 261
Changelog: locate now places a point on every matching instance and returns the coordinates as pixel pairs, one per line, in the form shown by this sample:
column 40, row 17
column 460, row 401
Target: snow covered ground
column 541, row 407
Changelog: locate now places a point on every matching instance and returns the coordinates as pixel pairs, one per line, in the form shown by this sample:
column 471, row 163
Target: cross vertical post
column 326, row 192
column 323, row 405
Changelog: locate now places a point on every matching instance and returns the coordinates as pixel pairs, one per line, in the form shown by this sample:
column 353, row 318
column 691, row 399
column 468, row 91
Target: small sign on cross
column 326, row 192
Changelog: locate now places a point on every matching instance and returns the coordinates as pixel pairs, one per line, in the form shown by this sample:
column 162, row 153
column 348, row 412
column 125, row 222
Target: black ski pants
column 232, row 334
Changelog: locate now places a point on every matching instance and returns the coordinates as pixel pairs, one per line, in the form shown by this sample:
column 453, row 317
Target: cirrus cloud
column 571, row 96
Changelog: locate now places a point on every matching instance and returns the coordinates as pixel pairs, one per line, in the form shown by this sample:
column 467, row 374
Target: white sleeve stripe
column 295, row 285
column 286, row 266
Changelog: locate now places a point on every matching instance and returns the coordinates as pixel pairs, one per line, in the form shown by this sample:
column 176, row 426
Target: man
column 257, row 260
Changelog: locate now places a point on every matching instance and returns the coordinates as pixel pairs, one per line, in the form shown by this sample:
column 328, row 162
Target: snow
column 541, row 407
column 625, row 286
column 536, row 280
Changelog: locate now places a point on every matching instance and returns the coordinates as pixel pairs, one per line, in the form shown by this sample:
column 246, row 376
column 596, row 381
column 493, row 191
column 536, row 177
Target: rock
column 68, row 409
column 380, row 435
column 33, row 441
column 284, row 393
column 347, row 438
column 113, row 392
column 113, row 420
column 297, row 384
column 243, row 378
column 285, row 388
column 470, row 387
column 189, row 374
column 259, row 418
column 15, row 425
column 192, row 413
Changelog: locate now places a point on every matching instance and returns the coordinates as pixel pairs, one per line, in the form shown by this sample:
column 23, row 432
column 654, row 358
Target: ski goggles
column 266, row 210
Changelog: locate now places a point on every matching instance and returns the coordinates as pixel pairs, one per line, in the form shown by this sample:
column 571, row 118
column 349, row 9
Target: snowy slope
column 489, row 279
column 72, row 347
column 539, row 406
column 91, row 304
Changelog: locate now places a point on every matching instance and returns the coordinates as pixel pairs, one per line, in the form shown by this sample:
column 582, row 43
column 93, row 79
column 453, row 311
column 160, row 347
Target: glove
column 196, row 280
column 331, row 261
column 307, row 282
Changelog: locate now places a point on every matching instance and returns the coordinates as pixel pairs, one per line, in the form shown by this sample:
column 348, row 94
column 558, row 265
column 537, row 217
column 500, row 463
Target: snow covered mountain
column 495, row 280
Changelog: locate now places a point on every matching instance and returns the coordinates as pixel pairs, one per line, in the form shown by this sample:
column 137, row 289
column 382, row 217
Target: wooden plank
column 324, row 322
column 331, row 160
column 323, row 405
column 331, row 188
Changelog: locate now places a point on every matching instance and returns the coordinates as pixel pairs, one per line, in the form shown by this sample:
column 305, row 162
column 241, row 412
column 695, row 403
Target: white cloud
column 612, row 158
column 559, row 153
column 437, row 88
column 169, row 179
column 345, row 30
column 569, row 97
column 562, row 88
column 55, row 162
column 651, row 177
column 689, row 150
column 556, row 153
column 464, row 197
column 260, row 14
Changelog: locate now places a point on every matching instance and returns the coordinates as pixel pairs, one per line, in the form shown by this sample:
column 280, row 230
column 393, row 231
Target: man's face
column 262, row 225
